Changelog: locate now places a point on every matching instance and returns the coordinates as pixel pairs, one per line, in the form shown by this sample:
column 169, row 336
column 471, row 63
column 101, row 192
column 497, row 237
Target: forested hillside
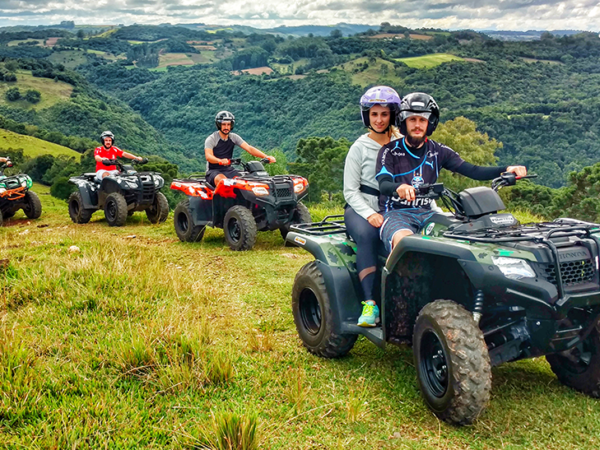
column 540, row 98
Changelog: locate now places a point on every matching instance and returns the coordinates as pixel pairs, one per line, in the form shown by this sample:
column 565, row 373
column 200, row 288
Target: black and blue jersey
column 398, row 163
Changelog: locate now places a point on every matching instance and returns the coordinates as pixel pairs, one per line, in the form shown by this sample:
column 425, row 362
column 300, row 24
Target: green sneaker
column 370, row 314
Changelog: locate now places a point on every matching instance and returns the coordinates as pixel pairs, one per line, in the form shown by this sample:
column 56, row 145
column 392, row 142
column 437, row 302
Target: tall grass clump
column 230, row 431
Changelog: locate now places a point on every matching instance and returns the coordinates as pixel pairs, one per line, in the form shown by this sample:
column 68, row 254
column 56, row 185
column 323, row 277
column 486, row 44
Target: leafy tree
column 33, row 96
column 321, row 162
column 80, row 34
column 13, row 94
column 461, row 135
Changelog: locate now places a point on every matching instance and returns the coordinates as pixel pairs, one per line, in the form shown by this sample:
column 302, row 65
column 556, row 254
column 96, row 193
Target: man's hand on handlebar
column 519, row 171
column 406, row 192
column 224, row 162
column 271, row 159
column 109, row 162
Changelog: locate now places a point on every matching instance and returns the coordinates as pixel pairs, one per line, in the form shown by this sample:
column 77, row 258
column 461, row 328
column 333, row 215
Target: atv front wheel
column 115, row 209
column 240, row 228
column 159, row 211
column 33, row 208
column 301, row 215
column 579, row 368
column 184, row 224
column 313, row 316
column 452, row 362
column 77, row 212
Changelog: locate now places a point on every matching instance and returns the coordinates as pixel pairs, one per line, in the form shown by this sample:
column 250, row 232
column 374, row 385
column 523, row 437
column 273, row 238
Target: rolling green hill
column 429, row 61
column 52, row 91
column 33, row 147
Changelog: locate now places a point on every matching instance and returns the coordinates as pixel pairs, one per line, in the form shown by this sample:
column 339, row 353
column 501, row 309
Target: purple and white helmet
column 380, row 95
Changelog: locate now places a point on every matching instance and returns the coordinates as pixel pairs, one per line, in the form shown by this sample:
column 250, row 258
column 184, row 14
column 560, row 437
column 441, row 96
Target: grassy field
column 52, row 91
column 17, row 42
column 33, row 147
column 429, row 61
column 380, row 69
column 69, row 58
column 136, row 340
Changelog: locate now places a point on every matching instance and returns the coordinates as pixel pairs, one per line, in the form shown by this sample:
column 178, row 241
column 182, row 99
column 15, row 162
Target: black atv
column 119, row 195
column 15, row 194
column 474, row 290
column 253, row 202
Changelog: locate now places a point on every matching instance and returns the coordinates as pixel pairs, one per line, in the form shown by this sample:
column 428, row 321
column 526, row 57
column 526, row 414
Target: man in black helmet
column 407, row 163
column 107, row 151
column 219, row 146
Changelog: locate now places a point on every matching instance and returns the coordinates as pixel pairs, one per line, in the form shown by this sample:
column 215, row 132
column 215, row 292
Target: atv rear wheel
column 33, row 208
column 579, row 368
column 452, row 362
column 313, row 316
column 184, row 224
column 240, row 228
column 301, row 215
column 159, row 211
column 77, row 212
column 9, row 214
column 115, row 209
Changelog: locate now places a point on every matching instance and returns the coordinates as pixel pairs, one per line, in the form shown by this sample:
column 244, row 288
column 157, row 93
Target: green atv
column 476, row 289
column 15, row 194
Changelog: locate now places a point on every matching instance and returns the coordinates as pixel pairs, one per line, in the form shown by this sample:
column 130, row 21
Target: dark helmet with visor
column 224, row 116
column 419, row 104
column 108, row 134
column 380, row 95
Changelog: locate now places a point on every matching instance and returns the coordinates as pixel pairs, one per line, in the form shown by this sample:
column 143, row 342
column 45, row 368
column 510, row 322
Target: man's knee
column 219, row 178
column 398, row 235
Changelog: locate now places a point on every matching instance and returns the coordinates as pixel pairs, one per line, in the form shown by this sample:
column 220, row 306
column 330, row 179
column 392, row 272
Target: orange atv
column 253, row 202
column 15, row 195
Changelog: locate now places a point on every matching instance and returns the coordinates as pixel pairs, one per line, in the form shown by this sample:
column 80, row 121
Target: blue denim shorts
column 412, row 219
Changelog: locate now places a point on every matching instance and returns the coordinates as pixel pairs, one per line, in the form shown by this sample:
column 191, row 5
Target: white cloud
column 448, row 14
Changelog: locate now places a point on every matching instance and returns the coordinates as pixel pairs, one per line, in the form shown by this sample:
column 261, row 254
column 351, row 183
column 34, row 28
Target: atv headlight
column 299, row 184
column 260, row 191
column 24, row 183
column 158, row 182
column 29, row 182
column 513, row 268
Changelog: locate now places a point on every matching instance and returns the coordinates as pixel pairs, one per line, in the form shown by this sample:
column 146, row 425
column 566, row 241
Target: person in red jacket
column 108, row 151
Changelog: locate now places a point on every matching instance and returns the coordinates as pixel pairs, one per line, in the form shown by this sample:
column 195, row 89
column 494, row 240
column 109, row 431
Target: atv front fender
column 336, row 260
column 89, row 196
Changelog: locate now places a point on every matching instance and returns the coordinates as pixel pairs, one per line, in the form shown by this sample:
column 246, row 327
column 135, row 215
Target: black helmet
column 419, row 104
column 106, row 134
column 224, row 116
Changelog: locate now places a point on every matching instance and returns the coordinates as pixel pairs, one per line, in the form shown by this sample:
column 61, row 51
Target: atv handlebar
column 119, row 164
column 508, row 179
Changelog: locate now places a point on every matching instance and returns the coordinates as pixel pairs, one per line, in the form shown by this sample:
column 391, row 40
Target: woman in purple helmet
column 380, row 106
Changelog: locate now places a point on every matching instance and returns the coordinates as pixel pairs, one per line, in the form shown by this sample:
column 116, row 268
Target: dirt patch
column 255, row 71
column 51, row 42
column 421, row 37
column 204, row 47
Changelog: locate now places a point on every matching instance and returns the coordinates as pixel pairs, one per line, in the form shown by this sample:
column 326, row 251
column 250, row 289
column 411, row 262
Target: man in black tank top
column 219, row 146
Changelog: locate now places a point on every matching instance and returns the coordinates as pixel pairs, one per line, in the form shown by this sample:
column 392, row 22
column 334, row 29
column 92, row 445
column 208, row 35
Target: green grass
column 39, row 42
column 137, row 340
column 429, row 61
column 33, row 147
column 379, row 70
column 52, row 91
column 69, row 58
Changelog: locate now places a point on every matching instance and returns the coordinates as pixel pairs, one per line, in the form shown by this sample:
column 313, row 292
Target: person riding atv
column 472, row 290
column 117, row 188
column 15, row 194
column 108, row 152
column 253, row 201
column 219, row 146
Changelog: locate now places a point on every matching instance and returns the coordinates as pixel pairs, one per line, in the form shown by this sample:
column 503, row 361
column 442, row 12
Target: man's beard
column 415, row 142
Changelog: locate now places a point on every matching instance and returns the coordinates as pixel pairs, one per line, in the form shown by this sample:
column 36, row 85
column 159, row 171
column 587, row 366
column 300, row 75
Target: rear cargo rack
column 329, row 225
column 540, row 233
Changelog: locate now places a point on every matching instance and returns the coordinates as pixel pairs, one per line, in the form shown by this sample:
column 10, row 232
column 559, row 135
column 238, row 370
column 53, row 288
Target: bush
column 13, row 94
column 61, row 188
column 33, row 96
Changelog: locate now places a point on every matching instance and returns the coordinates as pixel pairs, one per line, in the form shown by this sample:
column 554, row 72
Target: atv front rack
column 329, row 225
column 541, row 233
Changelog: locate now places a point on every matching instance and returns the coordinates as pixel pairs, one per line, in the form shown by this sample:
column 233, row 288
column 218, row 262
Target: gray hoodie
column 360, row 169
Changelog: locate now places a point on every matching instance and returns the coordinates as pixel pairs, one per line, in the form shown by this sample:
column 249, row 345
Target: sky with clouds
column 446, row 14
